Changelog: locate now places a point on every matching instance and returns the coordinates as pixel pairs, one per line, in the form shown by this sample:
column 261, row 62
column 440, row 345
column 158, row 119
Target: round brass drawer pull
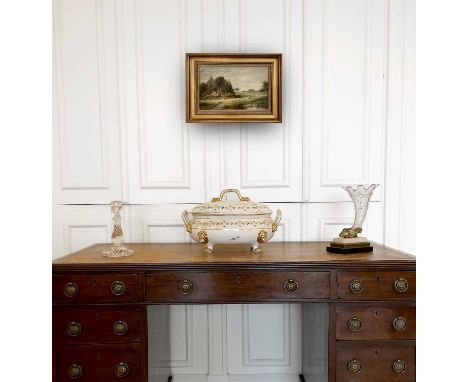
column 118, row 288
column 399, row 324
column 290, row 286
column 354, row 324
column 121, row 369
column 400, row 285
column 354, row 366
column 120, row 327
column 75, row 371
column 399, row 366
column 74, row 329
column 355, row 286
column 185, row 287
column 70, row 289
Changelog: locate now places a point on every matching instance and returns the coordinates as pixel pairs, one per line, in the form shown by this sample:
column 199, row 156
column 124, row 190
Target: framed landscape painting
column 233, row 87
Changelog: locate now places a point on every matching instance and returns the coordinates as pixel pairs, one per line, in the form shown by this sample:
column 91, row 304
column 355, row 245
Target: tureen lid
column 243, row 206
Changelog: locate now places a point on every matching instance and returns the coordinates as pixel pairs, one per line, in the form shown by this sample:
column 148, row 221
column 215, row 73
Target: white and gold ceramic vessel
column 224, row 221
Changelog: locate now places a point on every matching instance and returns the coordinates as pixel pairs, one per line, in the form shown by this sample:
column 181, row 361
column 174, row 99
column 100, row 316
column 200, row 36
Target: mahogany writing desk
column 99, row 303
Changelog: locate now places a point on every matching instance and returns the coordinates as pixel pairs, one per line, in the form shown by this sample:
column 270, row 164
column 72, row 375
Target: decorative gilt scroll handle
column 262, row 236
column 203, row 237
column 399, row 366
column 400, row 285
column 74, row 329
column 120, row 327
column 290, row 286
column 187, row 222
column 354, row 324
column 70, row 290
column 228, row 191
column 275, row 224
column 118, row 288
column 354, row 366
column 356, row 286
column 75, row 371
column 122, row 369
column 185, row 287
column 399, row 324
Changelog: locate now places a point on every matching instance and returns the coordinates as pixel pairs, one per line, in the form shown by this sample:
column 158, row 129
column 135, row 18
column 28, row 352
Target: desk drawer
column 242, row 286
column 94, row 288
column 376, row 285
column 96, row 325
column 391, row 322
column 93, row 364
column 377, row 362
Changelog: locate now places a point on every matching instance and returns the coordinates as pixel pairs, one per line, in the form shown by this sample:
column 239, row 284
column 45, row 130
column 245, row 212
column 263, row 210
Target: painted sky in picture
column 243, row 78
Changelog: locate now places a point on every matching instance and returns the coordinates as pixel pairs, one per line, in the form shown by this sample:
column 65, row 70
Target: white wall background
column 119, row 134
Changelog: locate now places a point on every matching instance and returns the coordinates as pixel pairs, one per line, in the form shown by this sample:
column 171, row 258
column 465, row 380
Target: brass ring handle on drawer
column 354, row 324
column 121, row 369
column 354, row 366
column 120, row 327
column 70, row 289
column 400, row 285
column 118, row 288
column 399, row 324
column 290, row 286
column 399, row 366
column 75, row 371
column 185, row 287
column 355, row 286
column 74, row 329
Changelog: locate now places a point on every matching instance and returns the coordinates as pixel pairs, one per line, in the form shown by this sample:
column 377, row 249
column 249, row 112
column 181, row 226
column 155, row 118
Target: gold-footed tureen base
column 231, row 222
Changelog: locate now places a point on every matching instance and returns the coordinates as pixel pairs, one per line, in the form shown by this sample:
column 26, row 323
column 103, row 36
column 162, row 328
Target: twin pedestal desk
column 99, row 303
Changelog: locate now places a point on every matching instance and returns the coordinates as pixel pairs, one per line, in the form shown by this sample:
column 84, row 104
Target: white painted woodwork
column 120, row 134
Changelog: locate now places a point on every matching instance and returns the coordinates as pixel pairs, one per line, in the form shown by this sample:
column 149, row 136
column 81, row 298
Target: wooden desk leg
column 331, row 342
column 144, row 343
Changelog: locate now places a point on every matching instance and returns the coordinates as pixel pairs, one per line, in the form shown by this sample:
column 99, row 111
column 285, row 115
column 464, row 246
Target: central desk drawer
column 231, row 286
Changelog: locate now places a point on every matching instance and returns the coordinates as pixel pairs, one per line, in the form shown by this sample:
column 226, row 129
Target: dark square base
column 346, row 251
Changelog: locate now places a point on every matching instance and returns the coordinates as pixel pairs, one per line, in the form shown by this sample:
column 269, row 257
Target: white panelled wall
column 120, row 134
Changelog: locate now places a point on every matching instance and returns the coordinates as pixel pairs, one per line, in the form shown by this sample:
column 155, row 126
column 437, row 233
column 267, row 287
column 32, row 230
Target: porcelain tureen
column 223, row 221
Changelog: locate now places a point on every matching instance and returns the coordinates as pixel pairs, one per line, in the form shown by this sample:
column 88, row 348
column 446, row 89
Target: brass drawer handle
column 290, row 286
column 70, row 289
column 400, row 285
column 121, row 369
column 354, row 324
column 354, row 366
column 75, row 371
column 355, row 286
column 399, row 366
column 399, row 324
column 118, row 288
column 74, row 329
column 120, row 327
column 185, row 287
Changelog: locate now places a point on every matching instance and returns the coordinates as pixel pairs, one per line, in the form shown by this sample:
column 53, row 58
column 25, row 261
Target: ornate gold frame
column 235, row 116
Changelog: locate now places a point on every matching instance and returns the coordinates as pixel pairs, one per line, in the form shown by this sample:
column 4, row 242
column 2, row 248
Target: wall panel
column 86, row 154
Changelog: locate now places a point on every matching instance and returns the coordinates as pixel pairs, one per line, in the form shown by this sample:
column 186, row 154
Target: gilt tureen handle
column 187, row 221
column 275, row 224
column 229, row 191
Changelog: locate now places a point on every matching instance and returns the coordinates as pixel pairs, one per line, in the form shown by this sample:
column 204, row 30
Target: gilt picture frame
column 233, row 87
